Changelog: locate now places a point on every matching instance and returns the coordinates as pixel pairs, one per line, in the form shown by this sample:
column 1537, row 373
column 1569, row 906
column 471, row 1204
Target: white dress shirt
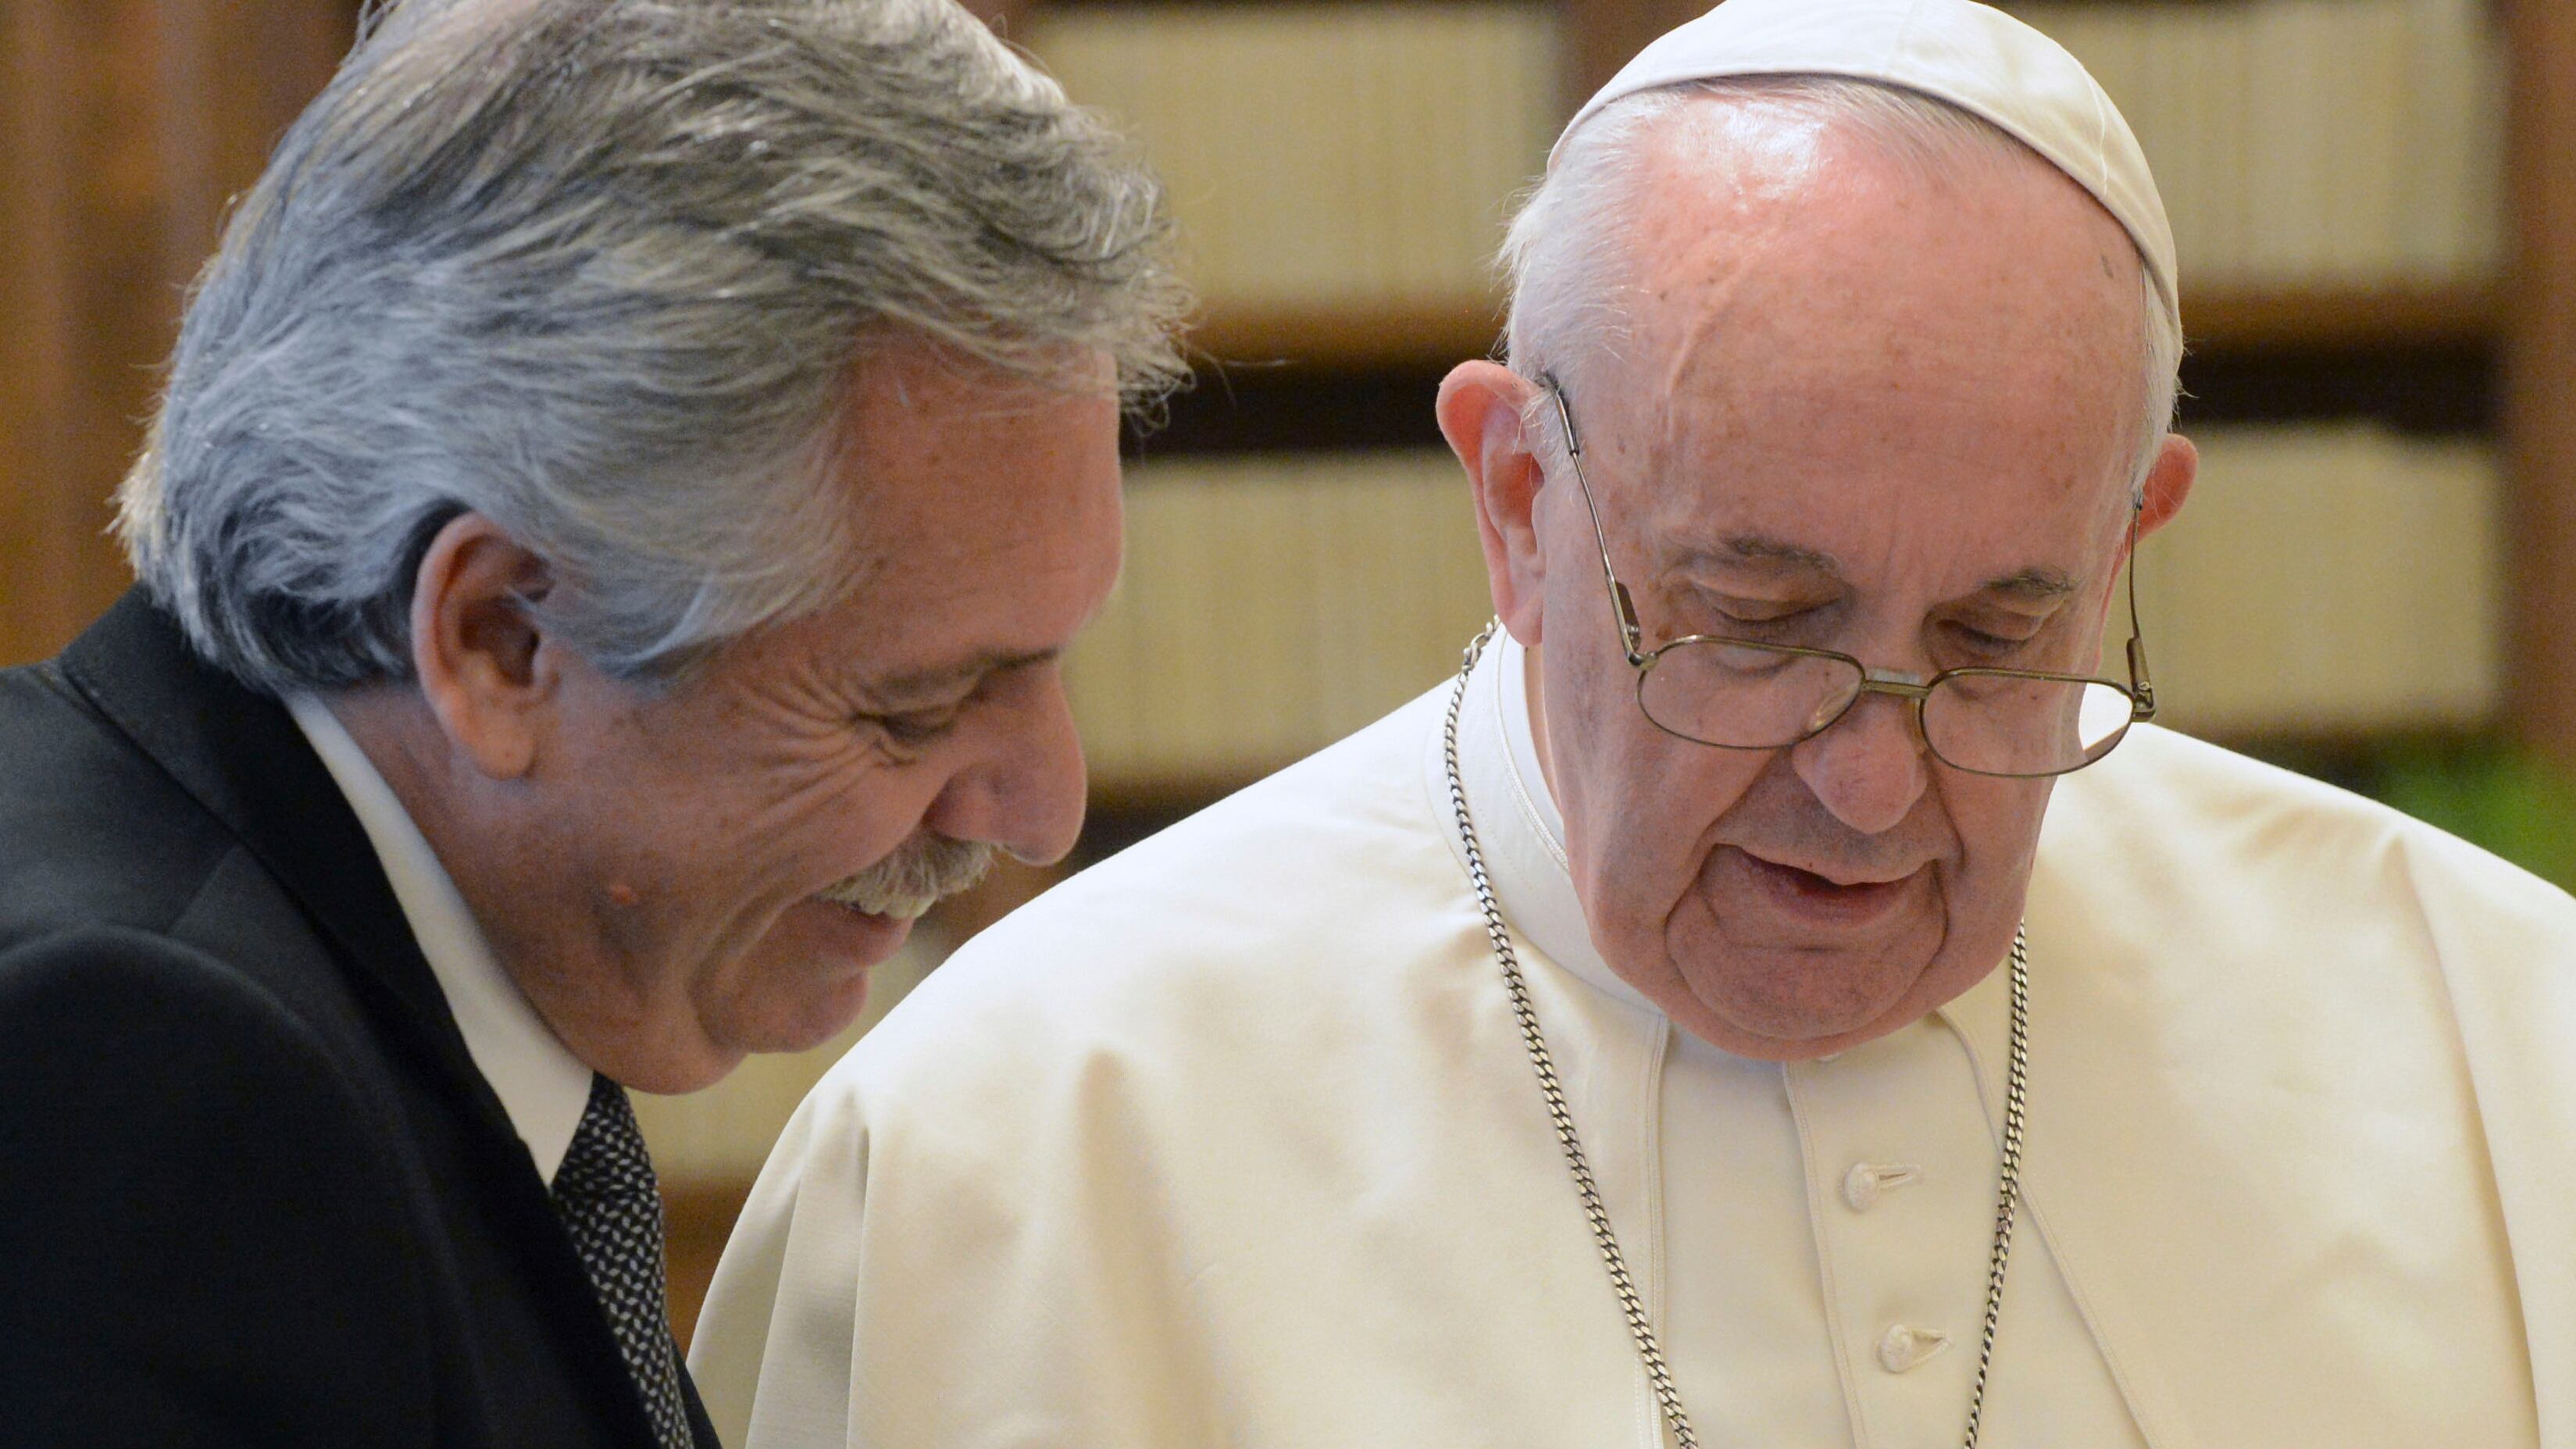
column 543, row 1086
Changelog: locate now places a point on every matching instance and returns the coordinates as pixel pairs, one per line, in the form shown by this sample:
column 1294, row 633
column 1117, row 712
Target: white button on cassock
column 1901, row 1347
column 1863, row 1185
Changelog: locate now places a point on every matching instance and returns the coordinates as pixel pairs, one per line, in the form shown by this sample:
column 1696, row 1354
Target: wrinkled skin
column 1861, row 406
column 658, row 867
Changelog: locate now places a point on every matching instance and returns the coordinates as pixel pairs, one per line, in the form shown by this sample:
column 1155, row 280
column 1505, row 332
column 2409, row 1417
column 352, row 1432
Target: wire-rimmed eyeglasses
column 1743, row 694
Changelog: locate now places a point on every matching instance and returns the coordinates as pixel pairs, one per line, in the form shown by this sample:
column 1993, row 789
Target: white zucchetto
column 1973, row 56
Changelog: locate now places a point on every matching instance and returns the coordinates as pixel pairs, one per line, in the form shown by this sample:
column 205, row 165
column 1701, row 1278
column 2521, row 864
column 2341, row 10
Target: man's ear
column 2168, row 483
column 475, row 647
column 1480, row 414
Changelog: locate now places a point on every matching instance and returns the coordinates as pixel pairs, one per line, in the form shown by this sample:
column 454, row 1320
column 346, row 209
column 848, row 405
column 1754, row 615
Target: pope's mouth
column 1822, row 899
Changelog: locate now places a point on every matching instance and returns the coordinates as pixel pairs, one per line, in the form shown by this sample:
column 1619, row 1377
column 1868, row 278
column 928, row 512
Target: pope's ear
column 1480, row 411
column 476, row 648
column 2169, row 482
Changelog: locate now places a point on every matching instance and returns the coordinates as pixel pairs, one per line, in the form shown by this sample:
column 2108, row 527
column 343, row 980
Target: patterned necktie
column 605, row 1194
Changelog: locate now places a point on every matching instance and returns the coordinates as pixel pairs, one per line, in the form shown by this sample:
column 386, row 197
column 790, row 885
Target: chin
column 1792, row 970
column 797, row 987
column 814, row 1023
column 673, row 1074
column 1833, row 1005
column 769, row 1027
column 1780, row 1002
column 797, row 1004
column 818, row 938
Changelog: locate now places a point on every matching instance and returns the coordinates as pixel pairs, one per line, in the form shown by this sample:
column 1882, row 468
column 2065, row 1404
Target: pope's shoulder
column 2167, row 813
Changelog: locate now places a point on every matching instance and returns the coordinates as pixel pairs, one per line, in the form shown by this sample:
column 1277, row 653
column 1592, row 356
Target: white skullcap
column 1973, row 56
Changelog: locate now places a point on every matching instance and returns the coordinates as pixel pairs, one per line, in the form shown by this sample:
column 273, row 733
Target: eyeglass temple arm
column 1625, row 612
column 2142, row 689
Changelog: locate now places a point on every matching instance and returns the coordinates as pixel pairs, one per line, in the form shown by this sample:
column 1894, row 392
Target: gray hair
column 600, row 270
column 1565, row 252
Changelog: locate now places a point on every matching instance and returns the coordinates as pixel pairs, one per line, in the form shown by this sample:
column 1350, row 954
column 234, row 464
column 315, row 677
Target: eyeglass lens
column 1749, row 696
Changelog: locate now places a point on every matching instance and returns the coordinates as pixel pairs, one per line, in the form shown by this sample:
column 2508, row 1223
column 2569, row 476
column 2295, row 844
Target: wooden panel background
column 125, row 127
column 2540, row 375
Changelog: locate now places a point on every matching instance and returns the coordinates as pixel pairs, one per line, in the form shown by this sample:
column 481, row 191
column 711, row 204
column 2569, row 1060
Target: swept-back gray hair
column 600, row 271
column 1566, row 259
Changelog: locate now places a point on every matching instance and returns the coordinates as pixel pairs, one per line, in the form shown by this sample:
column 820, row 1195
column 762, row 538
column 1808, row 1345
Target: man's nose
column 1869, row 767
column 1026, row 794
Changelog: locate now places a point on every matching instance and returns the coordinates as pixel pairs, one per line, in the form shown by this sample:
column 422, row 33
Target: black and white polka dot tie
column 605, row 1194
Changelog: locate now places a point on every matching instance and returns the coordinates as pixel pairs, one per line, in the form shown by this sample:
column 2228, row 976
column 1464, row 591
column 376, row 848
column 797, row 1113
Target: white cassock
column 1232, row 1140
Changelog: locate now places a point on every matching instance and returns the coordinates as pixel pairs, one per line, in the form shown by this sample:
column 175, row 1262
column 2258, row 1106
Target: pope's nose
column 1869, row 767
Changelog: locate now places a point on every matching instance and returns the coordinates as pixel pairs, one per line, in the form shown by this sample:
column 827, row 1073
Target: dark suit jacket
column 252, row 1189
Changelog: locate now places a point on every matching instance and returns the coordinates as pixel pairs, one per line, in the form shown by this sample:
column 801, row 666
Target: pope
column 1783, row 992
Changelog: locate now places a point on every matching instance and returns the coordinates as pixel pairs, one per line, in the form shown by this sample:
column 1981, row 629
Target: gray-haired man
column 623, row 488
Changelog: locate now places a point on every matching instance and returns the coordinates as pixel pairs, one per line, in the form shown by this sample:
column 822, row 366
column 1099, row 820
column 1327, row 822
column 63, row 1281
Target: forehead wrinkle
column 1709, row 304
column 936, row 679
column 1718, row 167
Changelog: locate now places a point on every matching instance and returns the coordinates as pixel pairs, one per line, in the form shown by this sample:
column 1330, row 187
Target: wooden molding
column 2232, row 320
column 1364, row 337
column 2540, row 375
column 1353, row 338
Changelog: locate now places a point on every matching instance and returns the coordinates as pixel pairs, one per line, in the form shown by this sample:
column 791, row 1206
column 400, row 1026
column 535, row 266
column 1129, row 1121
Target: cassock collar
column 541, row 1084
column 1517, row 824
column 1523, row 837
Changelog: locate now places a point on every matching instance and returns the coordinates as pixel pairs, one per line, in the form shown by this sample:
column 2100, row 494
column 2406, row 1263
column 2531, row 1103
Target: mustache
column 921, row 873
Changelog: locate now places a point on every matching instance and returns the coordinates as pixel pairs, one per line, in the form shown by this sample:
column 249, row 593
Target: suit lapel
column 240, row 755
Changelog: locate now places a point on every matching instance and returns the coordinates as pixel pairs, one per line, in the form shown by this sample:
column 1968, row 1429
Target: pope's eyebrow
column 937, row 682
column 1761, row 548
column 2036, row 584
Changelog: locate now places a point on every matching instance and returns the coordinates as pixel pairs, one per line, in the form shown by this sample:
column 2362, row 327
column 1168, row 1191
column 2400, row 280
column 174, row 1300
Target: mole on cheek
column 622, row 894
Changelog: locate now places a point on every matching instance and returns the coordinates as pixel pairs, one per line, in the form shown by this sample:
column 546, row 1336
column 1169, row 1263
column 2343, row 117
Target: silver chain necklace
column 1631, row 1305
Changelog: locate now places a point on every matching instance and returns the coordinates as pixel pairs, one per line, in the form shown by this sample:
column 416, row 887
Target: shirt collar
column 541, row 1084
